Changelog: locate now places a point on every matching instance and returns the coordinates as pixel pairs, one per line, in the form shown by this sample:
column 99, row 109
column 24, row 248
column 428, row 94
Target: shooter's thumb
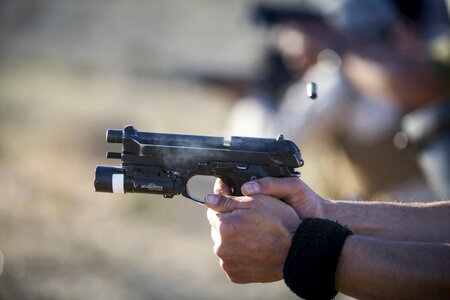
column 291, row 190
column 224, row 204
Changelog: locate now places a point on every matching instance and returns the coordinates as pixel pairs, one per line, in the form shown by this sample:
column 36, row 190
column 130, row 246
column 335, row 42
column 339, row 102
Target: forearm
column 377, row 269
column 420, row 222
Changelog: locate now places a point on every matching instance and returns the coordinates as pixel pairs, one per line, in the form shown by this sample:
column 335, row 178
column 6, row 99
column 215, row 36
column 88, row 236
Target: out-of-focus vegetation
column 68, row 71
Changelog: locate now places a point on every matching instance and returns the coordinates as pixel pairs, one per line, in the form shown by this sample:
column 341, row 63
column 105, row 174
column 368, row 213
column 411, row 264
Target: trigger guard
column 187, row 194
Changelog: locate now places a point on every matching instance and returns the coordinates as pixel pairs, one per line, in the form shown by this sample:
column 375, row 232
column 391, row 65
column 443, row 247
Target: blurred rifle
column 268, row 14
column 160, row 163
column 271, row 78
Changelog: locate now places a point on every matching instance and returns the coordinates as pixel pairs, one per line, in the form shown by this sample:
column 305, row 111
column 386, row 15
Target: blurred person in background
column 413, row 74
column 257, row 91
column 353, row 110
column 355, row 122
column 408, row 71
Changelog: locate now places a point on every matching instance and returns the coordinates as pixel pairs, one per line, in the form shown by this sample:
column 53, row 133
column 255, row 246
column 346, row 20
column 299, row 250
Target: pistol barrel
column 114, row 136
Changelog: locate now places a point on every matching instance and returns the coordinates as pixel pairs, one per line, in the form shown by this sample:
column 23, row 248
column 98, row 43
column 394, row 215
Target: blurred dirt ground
column 68, row 71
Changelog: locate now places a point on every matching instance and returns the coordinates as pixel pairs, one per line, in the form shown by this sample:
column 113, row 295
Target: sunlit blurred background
column 69, row 70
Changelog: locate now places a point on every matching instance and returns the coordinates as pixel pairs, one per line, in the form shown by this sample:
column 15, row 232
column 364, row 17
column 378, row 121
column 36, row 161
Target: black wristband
column 310, row 267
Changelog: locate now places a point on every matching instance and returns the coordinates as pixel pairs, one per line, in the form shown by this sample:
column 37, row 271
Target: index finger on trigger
column 221, row 188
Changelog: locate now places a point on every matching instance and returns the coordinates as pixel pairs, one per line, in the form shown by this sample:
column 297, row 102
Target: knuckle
column 224, row 265
column 221, row 251
column 229, row 204
column 217, row 249
column 296, row 186
column 264, row 183
column 228, row 268
column 234, row 273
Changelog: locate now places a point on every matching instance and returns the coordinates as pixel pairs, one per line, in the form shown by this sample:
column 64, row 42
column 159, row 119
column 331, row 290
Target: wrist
column 310, row 266
column 318, row 208
column 326, row 209
column 322, row 206
column 308, row 204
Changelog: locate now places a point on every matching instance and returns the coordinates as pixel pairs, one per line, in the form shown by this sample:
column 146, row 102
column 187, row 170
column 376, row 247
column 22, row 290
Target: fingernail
column 212, row 199
column 251, row 187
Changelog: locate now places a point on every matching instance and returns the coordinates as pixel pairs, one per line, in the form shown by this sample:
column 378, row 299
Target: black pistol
column 161, row 163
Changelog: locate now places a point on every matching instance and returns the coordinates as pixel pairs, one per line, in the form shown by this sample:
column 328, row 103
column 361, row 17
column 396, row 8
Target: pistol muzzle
column 114, row 136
